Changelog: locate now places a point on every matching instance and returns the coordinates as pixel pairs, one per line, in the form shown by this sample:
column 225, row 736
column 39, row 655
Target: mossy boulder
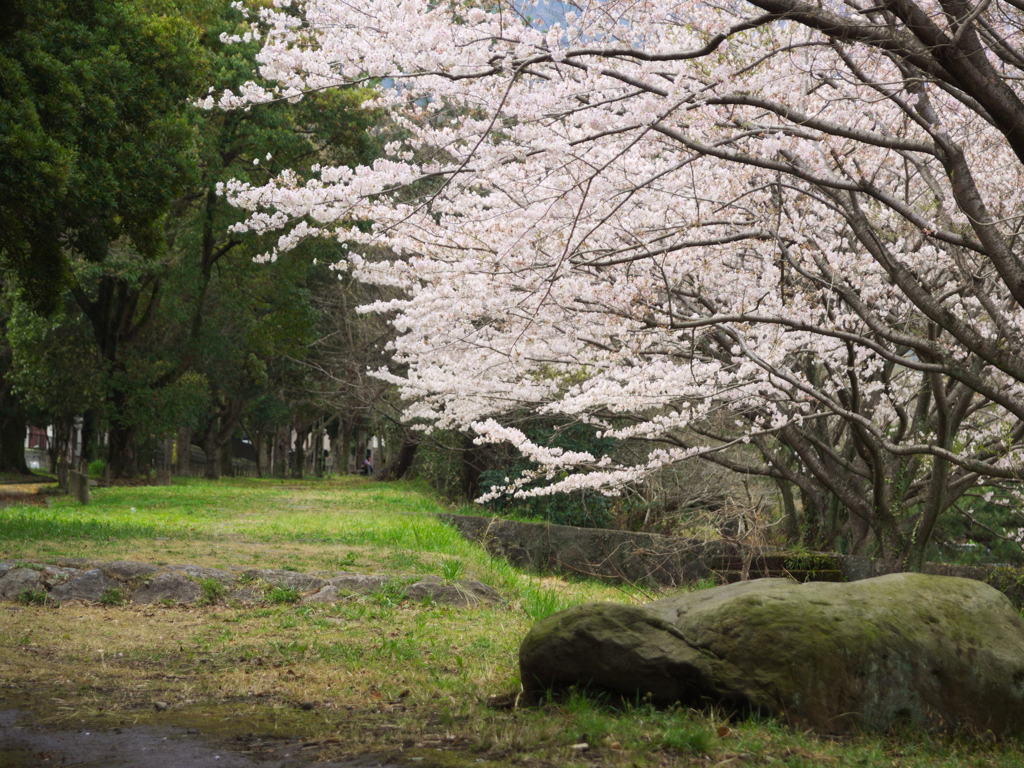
column 924, row 651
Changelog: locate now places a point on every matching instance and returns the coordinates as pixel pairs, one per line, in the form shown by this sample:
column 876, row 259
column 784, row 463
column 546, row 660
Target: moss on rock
column 928, row 651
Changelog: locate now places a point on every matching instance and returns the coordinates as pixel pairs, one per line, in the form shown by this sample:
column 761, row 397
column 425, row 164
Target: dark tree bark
column 13, row 420
column 217, row 434
column 13, row 428
column 402, row 462
column 299, row 452
column 122, row 450
column 474, row 463
column 183, row 459
column 227, row 460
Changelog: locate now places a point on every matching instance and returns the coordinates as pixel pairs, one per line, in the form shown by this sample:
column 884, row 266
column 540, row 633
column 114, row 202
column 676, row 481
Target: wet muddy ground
column 23, row 745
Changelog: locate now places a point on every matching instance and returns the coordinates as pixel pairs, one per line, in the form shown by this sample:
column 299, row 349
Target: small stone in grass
column 160, row 706
column 307, row 705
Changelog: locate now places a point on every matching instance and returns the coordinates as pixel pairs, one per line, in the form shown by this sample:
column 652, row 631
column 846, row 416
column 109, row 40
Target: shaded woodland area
column 134, row 324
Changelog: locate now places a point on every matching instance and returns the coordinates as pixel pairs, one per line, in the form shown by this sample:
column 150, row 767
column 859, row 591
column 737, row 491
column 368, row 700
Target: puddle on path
column 24, row 746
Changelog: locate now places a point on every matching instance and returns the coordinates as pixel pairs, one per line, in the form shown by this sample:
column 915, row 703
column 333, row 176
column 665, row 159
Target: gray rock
column 88, row 586
column 930, row 652
column 358, row 582
column 462, row 593
column 199, row 572
column 171, row 587
column 246, row 595
column 78, row 486
column 53, row 575
column 127, row 569
column 74, row 562
column 17, row 580
column 300, row 582
column 328, row 594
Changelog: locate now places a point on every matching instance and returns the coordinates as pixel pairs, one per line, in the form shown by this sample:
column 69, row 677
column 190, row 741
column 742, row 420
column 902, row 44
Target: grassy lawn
column 368, row 674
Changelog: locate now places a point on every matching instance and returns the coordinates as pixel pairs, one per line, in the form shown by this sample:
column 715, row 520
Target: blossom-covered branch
column 787, row 225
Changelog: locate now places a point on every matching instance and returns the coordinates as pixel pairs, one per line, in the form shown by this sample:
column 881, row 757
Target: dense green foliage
column 94, row 133
column 152, row 317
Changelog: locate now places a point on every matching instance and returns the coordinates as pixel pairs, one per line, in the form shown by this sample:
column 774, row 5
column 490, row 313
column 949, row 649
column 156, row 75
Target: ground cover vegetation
column 369, row 673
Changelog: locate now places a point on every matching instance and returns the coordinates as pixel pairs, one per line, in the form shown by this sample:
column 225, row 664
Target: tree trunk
column 60, row 446
column 299, row 453
column 344, row 447
column 473, row 465
column 72, row 444
column 13, row 427
column 258, row 442
column 90, row 433
column 122, row 451
column 284, row 446
column 860, row 531
column 183, row 459
column 13, row 423
column 212, row 450
column 317, row 448
column 402, row 462
column 791, row 524
column 227, row 463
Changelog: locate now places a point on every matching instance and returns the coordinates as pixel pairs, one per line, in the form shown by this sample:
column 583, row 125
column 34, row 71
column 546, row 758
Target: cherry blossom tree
column 785, row 224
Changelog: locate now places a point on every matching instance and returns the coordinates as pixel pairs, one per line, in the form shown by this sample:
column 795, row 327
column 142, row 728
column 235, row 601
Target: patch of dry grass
column 376, row 676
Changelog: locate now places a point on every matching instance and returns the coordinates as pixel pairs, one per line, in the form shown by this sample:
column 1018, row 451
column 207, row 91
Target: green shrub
column 390, row 594
column 96, row 468
column 283, row 595
column 213, row 591
column 34, row 597
column 114, row 596
column 540, row 602
column 452, row 569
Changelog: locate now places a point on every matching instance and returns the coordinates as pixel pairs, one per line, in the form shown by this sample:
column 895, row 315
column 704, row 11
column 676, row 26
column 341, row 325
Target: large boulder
column 930, row 652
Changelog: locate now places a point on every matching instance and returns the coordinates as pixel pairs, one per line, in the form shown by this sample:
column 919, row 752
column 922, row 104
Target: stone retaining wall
column 649, row 558
column 621, row 555
column 122, row 582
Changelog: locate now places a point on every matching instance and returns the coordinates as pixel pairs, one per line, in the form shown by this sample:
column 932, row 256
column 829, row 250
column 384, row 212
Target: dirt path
column 25, row 746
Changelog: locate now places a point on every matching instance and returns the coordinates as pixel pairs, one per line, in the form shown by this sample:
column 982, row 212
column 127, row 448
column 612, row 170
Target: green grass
column 29, row 524
column 385, row 674
column 340, row 524
column 33, row 597
column 452, row 569
column 351, row 512
column 114, row 596
column 213, row 591
column 283, row 595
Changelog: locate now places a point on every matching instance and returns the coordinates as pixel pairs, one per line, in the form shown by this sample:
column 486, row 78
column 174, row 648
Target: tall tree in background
column 109, row 191
column 240, row 319
column 787, row 224
column 13, row 415
column 96, row 144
